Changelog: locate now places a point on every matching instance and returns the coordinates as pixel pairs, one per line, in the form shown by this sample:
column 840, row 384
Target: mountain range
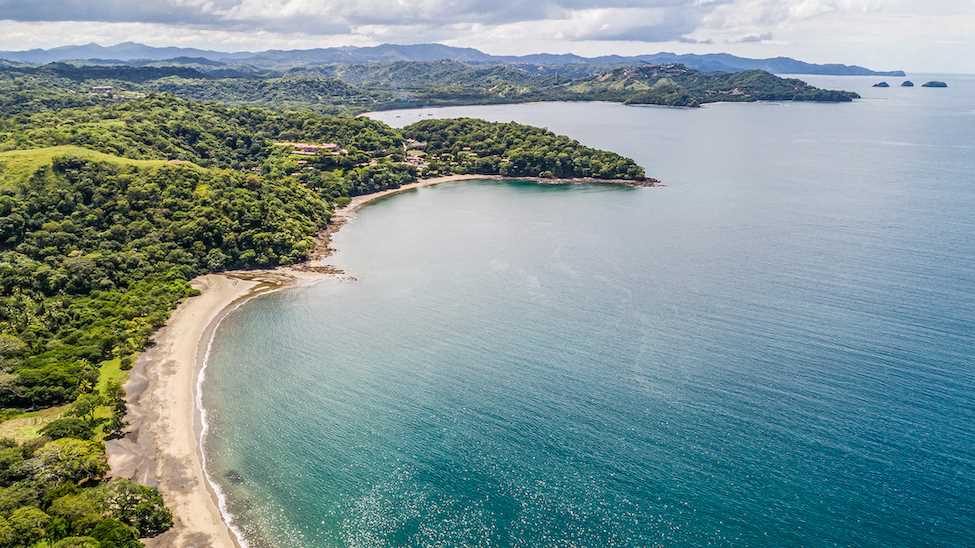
column 712, row 62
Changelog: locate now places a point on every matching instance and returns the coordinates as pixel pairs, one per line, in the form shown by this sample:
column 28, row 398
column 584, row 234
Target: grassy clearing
column 109, row 371
column 25, row 426
column 17, row 165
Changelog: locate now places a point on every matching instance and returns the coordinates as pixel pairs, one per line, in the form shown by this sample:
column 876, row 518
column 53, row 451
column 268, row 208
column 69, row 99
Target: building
column 417, row 159
column 314, row 149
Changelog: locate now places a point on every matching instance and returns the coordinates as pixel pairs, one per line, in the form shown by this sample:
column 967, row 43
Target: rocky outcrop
column 934, row 84
column 881, row 85
column 907, row 84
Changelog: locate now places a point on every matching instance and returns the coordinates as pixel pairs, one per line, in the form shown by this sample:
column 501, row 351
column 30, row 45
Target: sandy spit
column 163, row 445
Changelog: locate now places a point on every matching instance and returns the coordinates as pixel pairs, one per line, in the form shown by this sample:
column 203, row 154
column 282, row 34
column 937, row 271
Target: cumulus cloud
column 823, row 30
column 113, row 11
column 609, row 20
column 752, row 38
column 692, row 40
column 663, row 23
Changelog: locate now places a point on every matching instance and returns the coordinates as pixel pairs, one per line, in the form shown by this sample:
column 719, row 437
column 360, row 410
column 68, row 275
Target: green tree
column 68, row 427
column 115, row 395
column 78, row 542
column 85, row 406
column 114, row 533
column 69, row 460
column 80, row 509
column 12, row 467
column 29, row 525
column 8, row 536
column 139, row 506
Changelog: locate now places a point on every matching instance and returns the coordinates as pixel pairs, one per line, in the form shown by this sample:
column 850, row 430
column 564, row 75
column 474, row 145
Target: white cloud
column 888, row 33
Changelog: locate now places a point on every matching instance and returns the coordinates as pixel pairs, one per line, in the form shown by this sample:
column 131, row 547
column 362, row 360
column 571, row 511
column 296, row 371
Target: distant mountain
column 413, row 75
column 385, row 53
column 126, row 51
column 388, row 53
column 725, row 62
column 111, row 72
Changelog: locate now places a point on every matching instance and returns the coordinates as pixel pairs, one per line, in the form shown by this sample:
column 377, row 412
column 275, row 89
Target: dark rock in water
column 881, row 85
column 934, row 84
column 907, row 84
column 234, row 476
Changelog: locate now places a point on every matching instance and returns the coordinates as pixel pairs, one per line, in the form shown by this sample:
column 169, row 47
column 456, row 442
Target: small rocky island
column 934, row 84
column 881, row 85
column 907, row 84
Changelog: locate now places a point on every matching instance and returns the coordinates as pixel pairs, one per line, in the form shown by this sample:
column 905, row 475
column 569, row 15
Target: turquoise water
column 776, row 349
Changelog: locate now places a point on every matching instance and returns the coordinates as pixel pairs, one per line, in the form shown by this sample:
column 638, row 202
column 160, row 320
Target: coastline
column 164, row 444
column 163, row 447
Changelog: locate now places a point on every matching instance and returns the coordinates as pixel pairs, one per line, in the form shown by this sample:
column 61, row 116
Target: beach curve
column 164, row 444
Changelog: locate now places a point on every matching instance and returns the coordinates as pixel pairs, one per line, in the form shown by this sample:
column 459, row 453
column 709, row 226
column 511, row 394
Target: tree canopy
column 468, row 145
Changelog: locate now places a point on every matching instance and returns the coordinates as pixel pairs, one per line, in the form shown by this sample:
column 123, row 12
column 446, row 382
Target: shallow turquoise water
column 776, row 349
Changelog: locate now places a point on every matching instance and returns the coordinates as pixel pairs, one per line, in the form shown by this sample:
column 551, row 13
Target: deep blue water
column 776, row 349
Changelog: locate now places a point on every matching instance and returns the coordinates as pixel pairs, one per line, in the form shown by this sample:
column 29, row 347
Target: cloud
column 893, row 33
column 650, row 22
column 752, row 38
column 114, row 11
column 692, row 40
column 605, row 20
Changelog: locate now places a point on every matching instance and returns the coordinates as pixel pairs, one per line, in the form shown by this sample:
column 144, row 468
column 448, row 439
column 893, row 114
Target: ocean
column 777, row 348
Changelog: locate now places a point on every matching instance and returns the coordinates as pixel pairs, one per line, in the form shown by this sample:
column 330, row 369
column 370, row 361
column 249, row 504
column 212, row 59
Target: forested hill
column 676, row 85
column 96, row 250
column 360, row 87
column 470, row 145
column 208, row 134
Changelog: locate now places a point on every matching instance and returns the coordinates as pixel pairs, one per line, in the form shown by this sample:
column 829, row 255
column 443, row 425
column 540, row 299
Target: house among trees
column 102, row 90
column 314, row 149
column 416, row 158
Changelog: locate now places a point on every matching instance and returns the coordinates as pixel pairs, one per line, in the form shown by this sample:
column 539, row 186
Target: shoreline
column 164, row 445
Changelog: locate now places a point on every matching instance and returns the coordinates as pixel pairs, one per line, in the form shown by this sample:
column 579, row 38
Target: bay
column 777, row 348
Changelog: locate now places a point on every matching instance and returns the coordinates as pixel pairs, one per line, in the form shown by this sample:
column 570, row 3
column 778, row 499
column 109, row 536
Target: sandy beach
column 163, row 445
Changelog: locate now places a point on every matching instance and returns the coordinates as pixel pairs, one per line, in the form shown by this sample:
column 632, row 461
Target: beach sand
column 163, row 445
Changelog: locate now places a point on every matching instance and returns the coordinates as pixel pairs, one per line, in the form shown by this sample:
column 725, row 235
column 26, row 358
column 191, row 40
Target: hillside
column 677, row 85
column 95, row 251
column 338, row 89
column 284, row 92
column 16, row 166
column 419, row 75
column 211, row 135
column 469, row 145
column 86, row 232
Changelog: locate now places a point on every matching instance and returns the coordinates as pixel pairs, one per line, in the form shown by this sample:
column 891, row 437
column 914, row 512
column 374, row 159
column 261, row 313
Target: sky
column 914, row 35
